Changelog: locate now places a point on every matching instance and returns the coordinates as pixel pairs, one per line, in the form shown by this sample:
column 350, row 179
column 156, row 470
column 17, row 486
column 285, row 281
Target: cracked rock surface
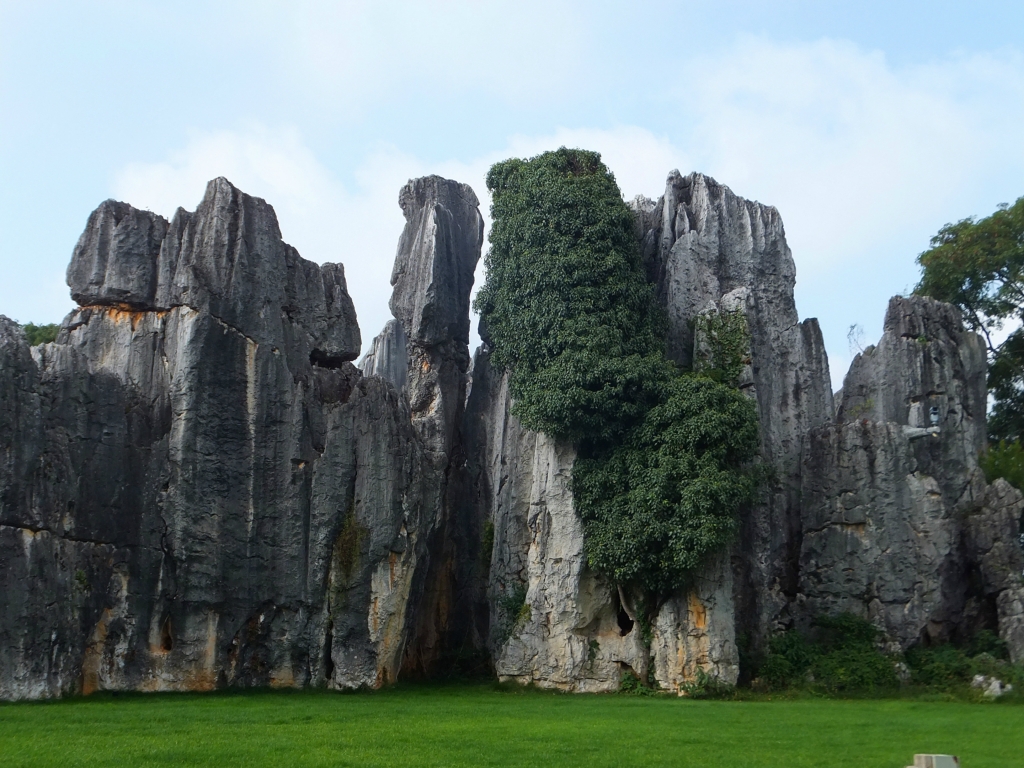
column 424, row 353
column 898, row 524
column 197, row 488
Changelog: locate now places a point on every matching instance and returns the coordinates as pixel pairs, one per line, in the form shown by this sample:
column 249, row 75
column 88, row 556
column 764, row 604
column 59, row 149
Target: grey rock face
column 553, row 622
column 198, row 489
column 227, row 258
column 431, row 296
column 195, row 476
column 995, row 567
column 424, row 352
column 388, row 356
column 898, row 523
column 706, row 250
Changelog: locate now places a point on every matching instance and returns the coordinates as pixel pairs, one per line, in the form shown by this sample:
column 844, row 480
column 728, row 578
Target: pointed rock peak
column 437, row 256
column 435, row 189
column 227, row 258
column 224, row 199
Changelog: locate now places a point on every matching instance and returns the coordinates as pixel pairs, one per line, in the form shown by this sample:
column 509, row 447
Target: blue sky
column 869, row 125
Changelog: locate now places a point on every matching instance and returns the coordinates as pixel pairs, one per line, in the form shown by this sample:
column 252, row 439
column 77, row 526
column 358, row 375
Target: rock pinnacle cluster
column 199, row 489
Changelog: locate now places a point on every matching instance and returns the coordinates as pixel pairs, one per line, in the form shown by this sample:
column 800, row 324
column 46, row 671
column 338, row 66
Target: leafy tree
column 569, row 314
column 40, row 334
column 979, row 267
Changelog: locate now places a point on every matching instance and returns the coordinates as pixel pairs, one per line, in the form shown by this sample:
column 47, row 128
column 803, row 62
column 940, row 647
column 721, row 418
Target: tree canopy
column 40, row 334
column 567, row 311
column 978, row 265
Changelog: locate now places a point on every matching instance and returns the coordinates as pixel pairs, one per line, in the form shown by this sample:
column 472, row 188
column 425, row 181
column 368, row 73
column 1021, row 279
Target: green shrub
column 705, row 686
column 943, row 666
column 1006, row 460
column 40, row 334
column 631, row 683
column 949, row 668
column 567, row 311
column 838, row 656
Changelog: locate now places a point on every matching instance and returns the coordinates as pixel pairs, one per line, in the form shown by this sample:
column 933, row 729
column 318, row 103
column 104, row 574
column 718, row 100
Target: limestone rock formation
column 197, row 489
column 898, row 524
column 553, row 622
column 707, row 249
column 228, row 259
column 424, row 353
column 876, row 510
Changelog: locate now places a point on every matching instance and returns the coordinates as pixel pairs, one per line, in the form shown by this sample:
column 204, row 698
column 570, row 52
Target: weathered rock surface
column 424, row 352
column 707, row 250
column 228, row 259
column 553, row 622
column 876, row 511
column 197, row 489
column 898, row 523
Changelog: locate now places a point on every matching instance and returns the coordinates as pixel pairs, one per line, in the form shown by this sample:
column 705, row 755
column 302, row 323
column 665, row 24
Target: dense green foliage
column 40, row 334
column 568, row 312
column 484, row 726
column 723, row 346
column 841, row 656
column 657, row 504
column 1005, row 460
column 566, row 306
column 979, row 267
column 951, row 668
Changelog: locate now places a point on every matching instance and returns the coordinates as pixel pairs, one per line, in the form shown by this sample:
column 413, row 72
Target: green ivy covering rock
column 664, row 455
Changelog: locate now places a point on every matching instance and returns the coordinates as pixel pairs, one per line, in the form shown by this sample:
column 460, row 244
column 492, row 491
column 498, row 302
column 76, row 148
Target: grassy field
column 480, row 725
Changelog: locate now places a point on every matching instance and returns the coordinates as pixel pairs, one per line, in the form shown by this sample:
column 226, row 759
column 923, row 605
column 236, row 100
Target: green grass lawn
column 481, row 725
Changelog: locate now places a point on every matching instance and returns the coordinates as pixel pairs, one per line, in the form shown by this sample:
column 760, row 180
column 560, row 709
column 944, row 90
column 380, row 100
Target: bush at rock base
column 841, row 656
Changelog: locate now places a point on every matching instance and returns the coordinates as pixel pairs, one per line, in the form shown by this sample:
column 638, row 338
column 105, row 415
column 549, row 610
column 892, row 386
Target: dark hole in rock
column 321, row 359
column 625, row 623
column 328, row 658
column 166, row 639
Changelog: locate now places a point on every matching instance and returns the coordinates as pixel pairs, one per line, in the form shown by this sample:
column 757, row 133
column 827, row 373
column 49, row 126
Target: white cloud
column 849, row 148
column 864, row 160
column 353, row 55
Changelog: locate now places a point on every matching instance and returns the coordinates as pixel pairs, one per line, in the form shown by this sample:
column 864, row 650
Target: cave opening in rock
column 328, row 657
column 166, row 636
column 625, row 623
column 321, row 359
